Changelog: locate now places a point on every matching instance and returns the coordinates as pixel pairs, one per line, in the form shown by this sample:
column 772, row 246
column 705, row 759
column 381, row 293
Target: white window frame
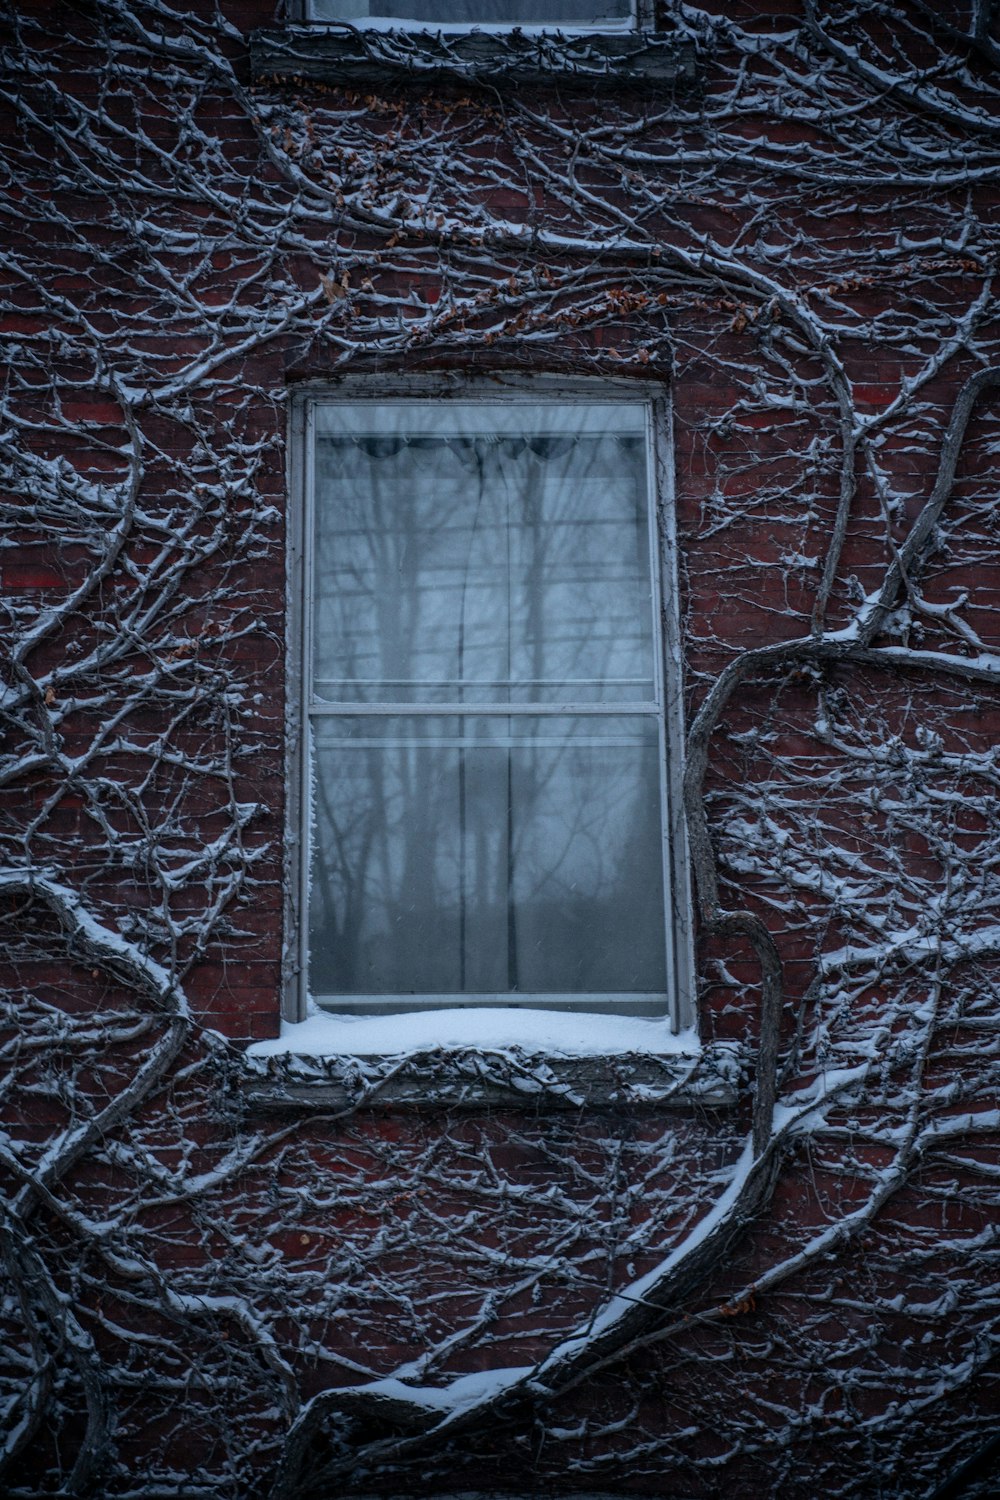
column 643, row 18
column 680, row 1015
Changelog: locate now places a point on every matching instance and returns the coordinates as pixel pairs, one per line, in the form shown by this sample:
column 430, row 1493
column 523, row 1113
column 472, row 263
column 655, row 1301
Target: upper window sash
column 535, row 591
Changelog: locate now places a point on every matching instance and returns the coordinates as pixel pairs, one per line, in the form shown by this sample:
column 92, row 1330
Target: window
column 465, row 13
column 489, row 736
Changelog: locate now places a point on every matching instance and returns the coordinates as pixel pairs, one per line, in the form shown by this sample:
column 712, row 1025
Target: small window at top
column 468, row 13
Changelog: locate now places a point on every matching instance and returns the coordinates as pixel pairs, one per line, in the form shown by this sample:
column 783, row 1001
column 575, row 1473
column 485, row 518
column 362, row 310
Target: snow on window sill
column 555, row 1033
column 486, row 1057
column 346, row 54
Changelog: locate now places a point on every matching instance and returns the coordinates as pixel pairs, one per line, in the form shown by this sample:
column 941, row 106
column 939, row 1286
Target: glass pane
column 473, row 553
column 487, row 856
column 476, row 12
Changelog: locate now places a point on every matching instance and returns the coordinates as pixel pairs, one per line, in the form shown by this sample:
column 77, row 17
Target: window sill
column 344, row 54
column 331, row 1063
column 564, row 1033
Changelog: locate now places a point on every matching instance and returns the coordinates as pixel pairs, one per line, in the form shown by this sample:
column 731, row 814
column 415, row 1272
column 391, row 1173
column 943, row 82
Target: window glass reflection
column 487, row 856
column 482, row 554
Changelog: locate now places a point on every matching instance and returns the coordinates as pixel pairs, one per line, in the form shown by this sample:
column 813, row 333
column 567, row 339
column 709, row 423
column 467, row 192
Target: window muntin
column 468, row 13
column 485, row 718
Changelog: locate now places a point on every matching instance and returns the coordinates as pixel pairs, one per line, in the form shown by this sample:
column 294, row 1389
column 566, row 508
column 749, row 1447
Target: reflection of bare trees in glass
column 489, row 569
column 558, row 827
column 484, row 853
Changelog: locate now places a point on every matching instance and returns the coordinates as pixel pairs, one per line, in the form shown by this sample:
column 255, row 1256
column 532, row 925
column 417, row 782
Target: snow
column 566, row 1033
column 622, row 1303
column 463, row 1392
column 392, row 24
